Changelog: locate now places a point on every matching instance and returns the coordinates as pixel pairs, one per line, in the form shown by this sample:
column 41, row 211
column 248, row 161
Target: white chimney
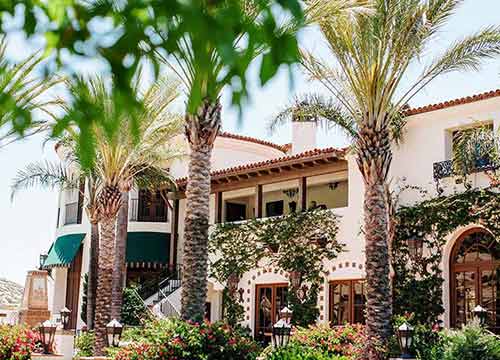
column 303, row 136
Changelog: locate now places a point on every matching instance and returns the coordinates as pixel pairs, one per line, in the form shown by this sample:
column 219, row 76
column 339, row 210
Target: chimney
column 303, row 136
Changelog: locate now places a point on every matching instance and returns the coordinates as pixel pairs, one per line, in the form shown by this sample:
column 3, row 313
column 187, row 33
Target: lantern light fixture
column 43, row 258
column 286, row 314
column 415, row 246
column 47, row 332
column 65, row 313
column 405, row 339
column 114, row 333
column 281, row 333
column 481, row 314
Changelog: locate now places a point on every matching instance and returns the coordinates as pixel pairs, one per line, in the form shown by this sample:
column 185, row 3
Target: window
column 475, row 278
column 235, row 211
column 480, row 159
column 274, row 208
column 149, row 207
column 347, row 302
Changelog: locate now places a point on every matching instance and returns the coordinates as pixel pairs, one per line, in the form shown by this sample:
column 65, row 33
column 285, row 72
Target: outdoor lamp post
column 481, row 314
column 47, row 334
column 405, row 339
column 286, row 314
column 65, row 312
column 43, row 258
column 114, row 333
column 281, row 333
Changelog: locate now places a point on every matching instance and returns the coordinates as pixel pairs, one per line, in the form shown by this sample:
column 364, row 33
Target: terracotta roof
column 455, row 102
column 284, row 148
column 309, row 155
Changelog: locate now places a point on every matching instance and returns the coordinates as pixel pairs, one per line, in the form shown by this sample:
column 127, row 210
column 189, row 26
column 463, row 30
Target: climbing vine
column 418, row 280
column 296, row 243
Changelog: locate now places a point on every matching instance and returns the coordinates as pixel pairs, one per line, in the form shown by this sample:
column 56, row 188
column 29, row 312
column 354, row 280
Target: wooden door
column 73, row 288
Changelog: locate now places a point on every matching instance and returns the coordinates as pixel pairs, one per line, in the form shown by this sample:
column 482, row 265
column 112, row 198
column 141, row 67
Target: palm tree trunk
column 93, row 269
column 374, row 157
column 379, row 300
column 120, row 266
column 201, row 130
column 104, row 283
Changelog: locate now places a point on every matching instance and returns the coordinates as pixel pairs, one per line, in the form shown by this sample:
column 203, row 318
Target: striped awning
column 148, row 249
column 63, row 251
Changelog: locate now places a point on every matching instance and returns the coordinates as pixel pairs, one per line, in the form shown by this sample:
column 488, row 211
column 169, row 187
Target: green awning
column 63, row 250
column 148, row 248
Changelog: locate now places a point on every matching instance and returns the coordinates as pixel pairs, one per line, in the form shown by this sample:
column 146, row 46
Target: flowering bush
column 16, row 342
column 348, row 340
column 297, row 352
column 84, row 344
column 174, row 339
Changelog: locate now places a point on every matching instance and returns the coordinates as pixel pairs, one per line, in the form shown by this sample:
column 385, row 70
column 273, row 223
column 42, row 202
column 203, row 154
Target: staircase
column 165, row 302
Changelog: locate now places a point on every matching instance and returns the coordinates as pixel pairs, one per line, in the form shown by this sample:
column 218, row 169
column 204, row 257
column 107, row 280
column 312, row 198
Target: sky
column 27, row 224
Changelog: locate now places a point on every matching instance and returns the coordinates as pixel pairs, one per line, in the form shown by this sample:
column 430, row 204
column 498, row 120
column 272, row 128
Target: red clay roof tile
column 454, row 102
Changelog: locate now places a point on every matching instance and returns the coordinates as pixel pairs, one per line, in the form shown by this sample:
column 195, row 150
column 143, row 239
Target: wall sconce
column 415, row 246
column 291, row 193
column 333, row 185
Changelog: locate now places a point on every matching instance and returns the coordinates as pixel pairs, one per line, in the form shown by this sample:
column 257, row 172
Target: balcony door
column 475, row 278
column 270, row 299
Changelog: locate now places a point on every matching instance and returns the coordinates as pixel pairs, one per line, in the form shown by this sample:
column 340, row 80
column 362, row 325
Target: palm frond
column 23, row 94
column 317, row 109
column 45, row 175
column 467, row 54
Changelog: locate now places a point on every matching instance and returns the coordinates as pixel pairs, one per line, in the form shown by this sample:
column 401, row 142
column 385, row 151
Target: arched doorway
column 475, row 277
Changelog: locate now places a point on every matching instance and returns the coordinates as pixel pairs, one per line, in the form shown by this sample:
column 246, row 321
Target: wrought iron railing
column 444, row 169
column 155, row 211
column 171, row 283
column 167, row 282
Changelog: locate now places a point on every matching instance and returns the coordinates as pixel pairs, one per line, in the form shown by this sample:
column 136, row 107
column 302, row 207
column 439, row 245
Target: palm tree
column 22, row 94
column 69, row 175
column 201, row 68
column 122, row 160
column 369, row 81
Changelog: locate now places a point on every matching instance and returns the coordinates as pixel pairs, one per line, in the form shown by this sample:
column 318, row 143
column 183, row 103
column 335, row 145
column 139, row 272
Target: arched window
column 475, row 277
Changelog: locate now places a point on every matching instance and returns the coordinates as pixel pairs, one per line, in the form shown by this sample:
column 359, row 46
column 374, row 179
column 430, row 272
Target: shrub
column 16, row 342
column 298, row 352
column 348, row 340
column 134, row 311
column 84, row 344
column 471, row 343
column 176, row 339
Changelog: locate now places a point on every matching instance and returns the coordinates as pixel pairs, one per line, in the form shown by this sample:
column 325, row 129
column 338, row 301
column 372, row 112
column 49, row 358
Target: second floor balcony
column 148, row 207
column 445, row 169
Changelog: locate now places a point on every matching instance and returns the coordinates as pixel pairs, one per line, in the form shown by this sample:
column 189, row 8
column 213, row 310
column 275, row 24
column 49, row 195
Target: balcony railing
column 444, row 169
column 141, row 211
column 72, row 214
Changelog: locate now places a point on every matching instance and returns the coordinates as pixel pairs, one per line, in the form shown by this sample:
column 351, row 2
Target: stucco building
column 255, row 178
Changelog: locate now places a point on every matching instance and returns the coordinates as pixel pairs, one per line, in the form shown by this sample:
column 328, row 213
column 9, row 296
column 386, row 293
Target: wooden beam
column 303, row 193
column 218, row 207
column 258, row 201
